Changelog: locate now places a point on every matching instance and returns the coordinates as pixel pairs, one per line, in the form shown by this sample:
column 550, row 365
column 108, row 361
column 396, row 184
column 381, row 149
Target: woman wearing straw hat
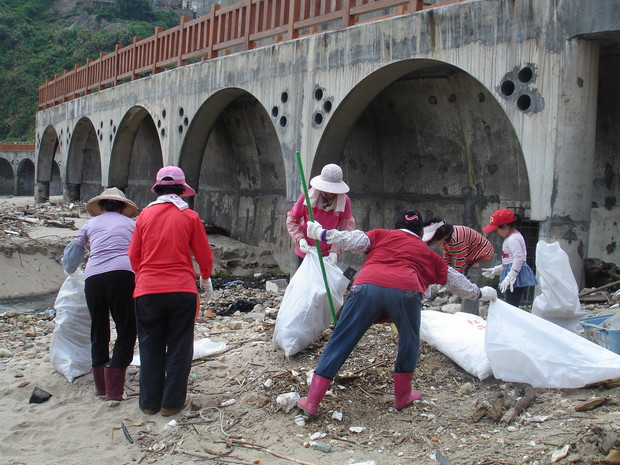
column 331, row 207
column 109, row 286
column 167, row 234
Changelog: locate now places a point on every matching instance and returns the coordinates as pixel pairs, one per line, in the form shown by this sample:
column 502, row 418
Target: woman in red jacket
column 166, row 235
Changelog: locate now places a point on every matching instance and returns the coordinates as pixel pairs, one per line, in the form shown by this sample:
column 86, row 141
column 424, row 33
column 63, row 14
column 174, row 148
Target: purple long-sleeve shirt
column 109, row 235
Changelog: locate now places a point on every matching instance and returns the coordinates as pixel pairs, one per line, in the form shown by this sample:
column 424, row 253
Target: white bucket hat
column 330, row 180
column 112, row 193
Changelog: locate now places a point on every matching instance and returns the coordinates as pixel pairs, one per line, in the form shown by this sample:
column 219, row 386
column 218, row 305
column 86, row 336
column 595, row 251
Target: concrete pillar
column 571, row 198
column 41, row 191
column 71, row 192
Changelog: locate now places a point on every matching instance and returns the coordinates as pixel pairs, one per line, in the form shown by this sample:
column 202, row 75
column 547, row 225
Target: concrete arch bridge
column 458, row 109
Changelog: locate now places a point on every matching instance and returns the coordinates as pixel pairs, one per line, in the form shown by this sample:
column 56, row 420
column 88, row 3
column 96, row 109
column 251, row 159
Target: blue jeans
column 165, row 324
column 365, row 304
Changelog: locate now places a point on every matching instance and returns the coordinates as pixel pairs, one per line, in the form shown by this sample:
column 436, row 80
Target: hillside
column 40, row 38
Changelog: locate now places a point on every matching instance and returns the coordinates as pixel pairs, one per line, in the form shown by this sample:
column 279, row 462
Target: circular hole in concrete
column 114, row 129
column 524, row 102
column 180, row 129
column 432, row 100
column 526, row 74
column 283, row 122
column 101, row 137
column 452, row 98
column 163, row 132
column 110, row 137
column 274, row 112
column 186, row 121
column 481, row 97
column 101, row 125
column 327, row 106
column 163, row 114
column 318, row 94
column 159, row 123
column 181, row 112
column 284, row 97
column 318, row 118
column 111, row 123
column 507, row 88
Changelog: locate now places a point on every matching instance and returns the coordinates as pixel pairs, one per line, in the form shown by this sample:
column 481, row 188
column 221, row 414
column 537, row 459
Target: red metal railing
column 242, row 26
column 9, row 148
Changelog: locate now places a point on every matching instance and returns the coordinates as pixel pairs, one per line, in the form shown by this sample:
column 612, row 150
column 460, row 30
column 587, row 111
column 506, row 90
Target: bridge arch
column 48, row 144
column 232, row 154
column 83, row 170
column 426, row 133
column 7, row 177
column 136, row 155
column 25, row 177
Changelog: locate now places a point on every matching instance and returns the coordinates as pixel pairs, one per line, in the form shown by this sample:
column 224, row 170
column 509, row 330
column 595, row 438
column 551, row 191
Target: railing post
column 87, row 76
column 134, row 58
column 250, row 20
column 117, row 47
column 416, row 5
column 99, row 78
column 213, row 30
column 158, row 30
column 292, row 17
column 182, row 40
column 347, row 20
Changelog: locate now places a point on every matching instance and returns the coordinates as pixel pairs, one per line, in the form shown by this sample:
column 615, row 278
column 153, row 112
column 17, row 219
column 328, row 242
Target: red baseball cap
column 499, row 218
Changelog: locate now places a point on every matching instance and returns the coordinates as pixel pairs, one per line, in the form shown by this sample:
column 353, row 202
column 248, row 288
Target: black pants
column 165, row 324
column 514, row 297
column 108, row 294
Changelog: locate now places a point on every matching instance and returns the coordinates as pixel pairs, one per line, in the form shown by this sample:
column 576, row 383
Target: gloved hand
column 303, row 246
column 488, row 294
column 332, row 258
column 314, row 230
column 508, row 281
column 208, row 287
column 492, row 272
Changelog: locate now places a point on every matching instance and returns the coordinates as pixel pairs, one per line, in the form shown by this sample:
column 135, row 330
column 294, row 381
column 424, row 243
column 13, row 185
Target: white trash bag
column 70, row 346
column 524, row 348
column 559, row 298
column 459, row 336
column 304, row 312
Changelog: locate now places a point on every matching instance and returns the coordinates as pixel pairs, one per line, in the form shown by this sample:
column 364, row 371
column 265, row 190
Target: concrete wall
column 458, row 110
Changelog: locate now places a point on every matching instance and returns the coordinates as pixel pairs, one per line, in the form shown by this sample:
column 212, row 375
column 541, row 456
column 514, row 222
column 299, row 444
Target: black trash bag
column 39, row 396
column 243, row 306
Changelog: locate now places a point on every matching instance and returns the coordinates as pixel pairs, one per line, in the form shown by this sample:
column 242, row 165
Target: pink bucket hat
column 170, row 176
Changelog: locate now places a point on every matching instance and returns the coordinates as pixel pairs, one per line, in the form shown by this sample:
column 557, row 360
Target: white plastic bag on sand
column 70, row 345
column 559, row 298
column 459, row 336
column 304, row 312
column 524, row 348
column 202, row 348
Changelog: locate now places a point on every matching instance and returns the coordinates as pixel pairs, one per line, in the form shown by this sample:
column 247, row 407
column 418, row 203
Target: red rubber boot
column 403, row 395
column 318, row 388
column 99, row 377
column 115, row 383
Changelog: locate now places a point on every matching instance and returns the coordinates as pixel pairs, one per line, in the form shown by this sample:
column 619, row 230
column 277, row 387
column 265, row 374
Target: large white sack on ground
column 304, row 311
column 70, row 344
column 558, row 301
column 524, row 348
column 202, row 348
column 459, row 336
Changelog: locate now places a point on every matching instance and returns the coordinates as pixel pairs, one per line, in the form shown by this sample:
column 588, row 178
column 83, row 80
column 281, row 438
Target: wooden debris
column 528, row 399
column 492, row 407
column 608, row 384
column 591, row 404
column 612, row 458
column 249, row 445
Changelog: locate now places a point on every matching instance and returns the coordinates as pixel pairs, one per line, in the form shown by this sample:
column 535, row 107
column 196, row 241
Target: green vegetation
column 35, row 44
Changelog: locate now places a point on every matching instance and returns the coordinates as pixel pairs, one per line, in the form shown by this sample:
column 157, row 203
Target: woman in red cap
column 331, row 207
column 166, row 235
column 515, row 275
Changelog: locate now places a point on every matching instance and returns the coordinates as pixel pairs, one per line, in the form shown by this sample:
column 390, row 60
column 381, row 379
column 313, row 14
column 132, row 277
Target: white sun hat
column 330, row 180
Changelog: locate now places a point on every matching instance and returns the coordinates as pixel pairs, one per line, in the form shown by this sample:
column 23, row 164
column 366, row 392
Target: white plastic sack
column 202, row 348
column 70, row 345
column 559, row 298
column 524, row 348
column 304, row 312
column 459, row 336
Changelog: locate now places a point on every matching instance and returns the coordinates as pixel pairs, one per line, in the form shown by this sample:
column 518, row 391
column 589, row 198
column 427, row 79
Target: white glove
column 488, row 294
column 314, row 230
column 208, row 288
column 492, row 272
column 303, row 246
column 508, row 281
column 332, row 258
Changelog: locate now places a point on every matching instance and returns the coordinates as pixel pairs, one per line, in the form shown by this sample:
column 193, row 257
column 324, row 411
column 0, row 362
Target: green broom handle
column 316, row 242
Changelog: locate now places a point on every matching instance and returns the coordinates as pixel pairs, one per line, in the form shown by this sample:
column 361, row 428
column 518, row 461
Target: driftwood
column 591, row 404
column 607, row 384
column 249, row 445
column 528, row 399
column 492, row 407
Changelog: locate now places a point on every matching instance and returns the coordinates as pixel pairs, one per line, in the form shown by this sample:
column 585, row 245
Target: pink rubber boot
column 403, row 395
column 318, row 388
